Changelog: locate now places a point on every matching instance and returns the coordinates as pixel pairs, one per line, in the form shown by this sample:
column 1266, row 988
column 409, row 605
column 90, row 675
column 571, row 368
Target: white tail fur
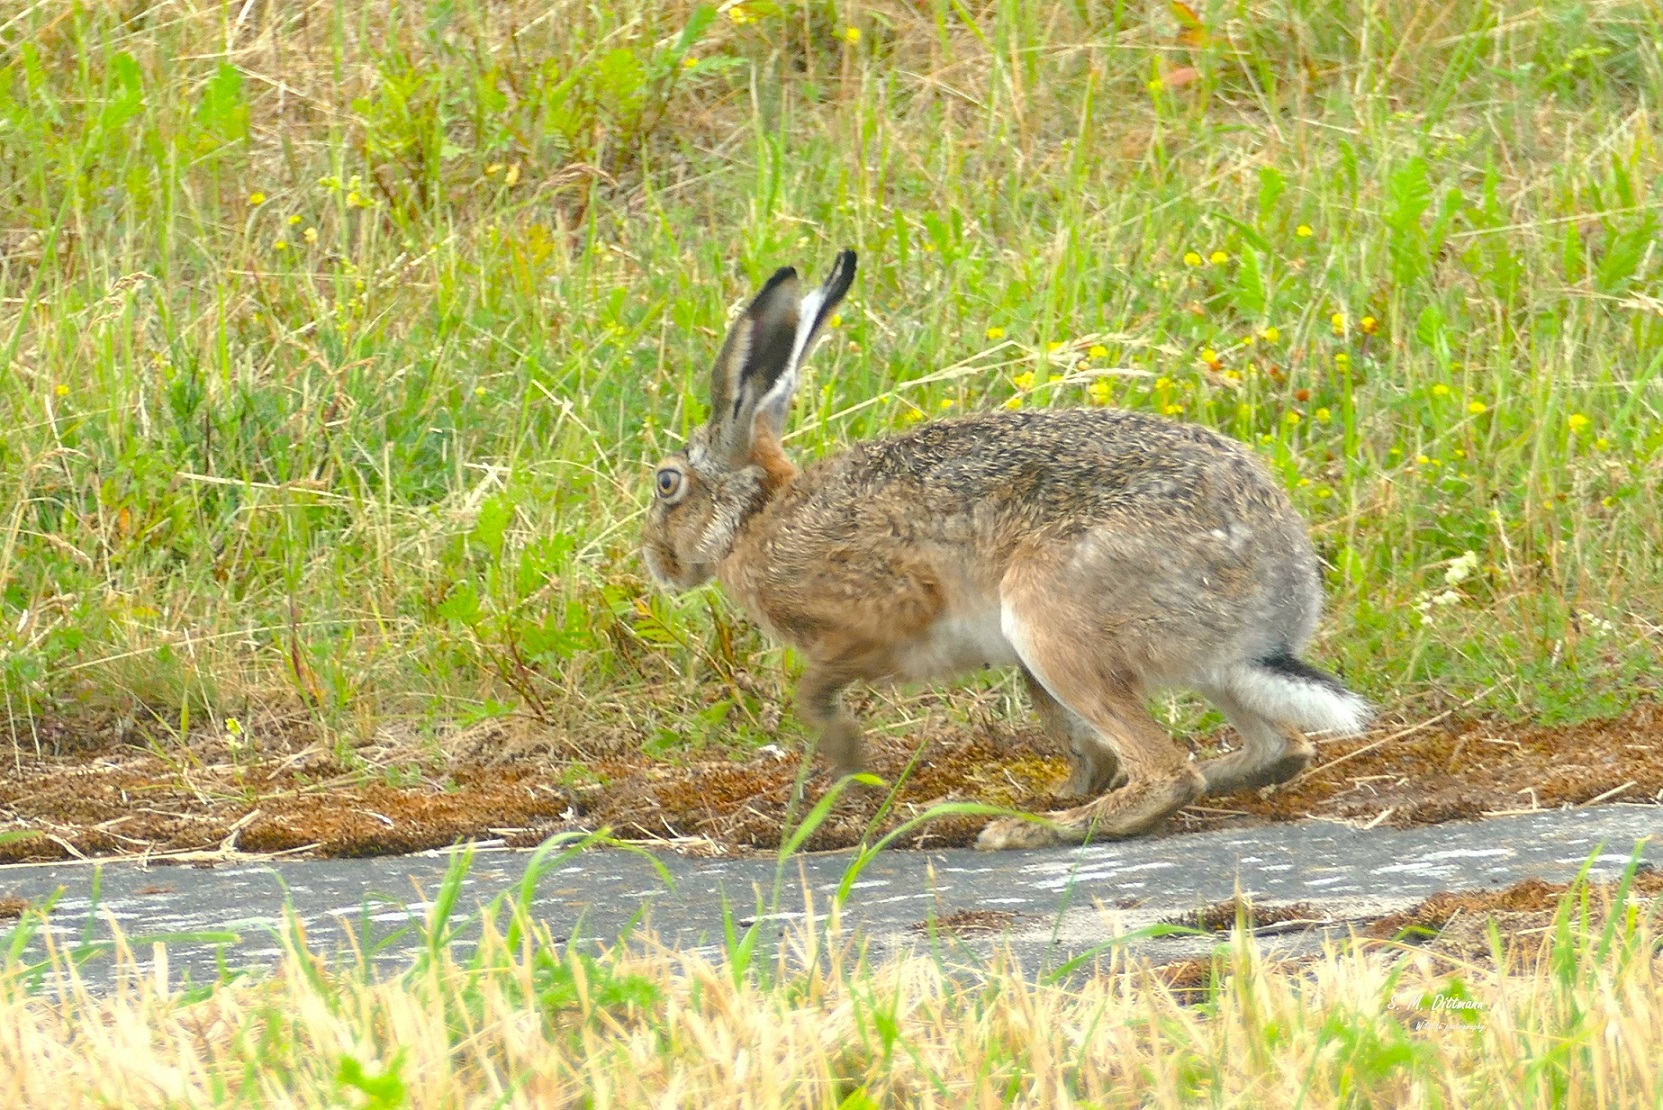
column 1300, row 696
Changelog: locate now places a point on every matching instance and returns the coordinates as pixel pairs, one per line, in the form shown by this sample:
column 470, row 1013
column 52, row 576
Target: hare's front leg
column 820, row 704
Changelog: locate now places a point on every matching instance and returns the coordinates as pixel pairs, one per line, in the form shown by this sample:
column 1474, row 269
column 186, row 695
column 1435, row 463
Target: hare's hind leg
column 1096, row 767
column 1078, row 666
column 1267, row 755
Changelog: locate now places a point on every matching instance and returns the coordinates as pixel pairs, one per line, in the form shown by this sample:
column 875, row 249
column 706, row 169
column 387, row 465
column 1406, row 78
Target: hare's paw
column 1014, row 832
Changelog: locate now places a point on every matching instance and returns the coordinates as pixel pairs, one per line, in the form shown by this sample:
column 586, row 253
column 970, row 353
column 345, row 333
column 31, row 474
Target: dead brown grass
column 1221, row 917
column 1532, row 898
column 643, row 1025
column 92, row 791
column 967, row 922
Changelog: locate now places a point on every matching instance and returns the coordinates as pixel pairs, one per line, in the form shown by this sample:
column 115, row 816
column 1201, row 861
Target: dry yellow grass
column 1570, row 1021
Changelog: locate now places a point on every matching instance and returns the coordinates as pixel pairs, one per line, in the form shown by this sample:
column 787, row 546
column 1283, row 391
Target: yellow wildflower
column 1368, row 324
column 61, row 390
column 851, row 35
column 1303, row 231
column 996, row 332
column 1173, row 410
column 255, row 199
column 1098, row 391
column 1024, row 380
column 1290, row 418
column 1323, row 416
column 1219, row 258
column 1098, row 351
column 310, row 234
column 1191, row 258
column 1577, row 422
column 1477, row 408
column 1270, row 335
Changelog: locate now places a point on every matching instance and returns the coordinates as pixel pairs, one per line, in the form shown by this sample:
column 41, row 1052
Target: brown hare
column 1107, row 554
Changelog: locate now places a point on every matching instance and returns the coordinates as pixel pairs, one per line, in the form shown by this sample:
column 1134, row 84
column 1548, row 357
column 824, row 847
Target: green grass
column 337, row 339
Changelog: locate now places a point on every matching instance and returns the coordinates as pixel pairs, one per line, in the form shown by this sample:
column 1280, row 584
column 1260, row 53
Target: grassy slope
column 338, row 343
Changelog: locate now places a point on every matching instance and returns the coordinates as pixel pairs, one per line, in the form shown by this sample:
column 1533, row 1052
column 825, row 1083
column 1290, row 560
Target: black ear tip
column 842, row 276
column 783, row 274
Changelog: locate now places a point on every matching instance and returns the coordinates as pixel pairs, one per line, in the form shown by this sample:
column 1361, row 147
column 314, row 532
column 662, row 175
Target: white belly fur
column 954, row 645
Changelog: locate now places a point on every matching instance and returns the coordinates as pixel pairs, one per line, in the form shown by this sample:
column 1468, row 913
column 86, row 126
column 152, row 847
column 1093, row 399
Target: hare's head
column 733, row 464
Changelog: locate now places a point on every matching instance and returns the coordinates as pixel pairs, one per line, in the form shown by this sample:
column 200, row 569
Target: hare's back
column 1062, row 465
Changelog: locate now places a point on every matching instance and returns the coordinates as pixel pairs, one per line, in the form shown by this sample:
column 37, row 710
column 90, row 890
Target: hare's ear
column 756, row 373
column 756, row 353
column 812, row 314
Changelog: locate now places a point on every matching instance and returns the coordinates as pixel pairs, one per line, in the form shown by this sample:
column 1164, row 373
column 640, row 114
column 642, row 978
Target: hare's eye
column 669, row 482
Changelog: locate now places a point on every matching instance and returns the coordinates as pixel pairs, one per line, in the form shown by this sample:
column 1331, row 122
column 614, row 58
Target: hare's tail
column 1287, row 690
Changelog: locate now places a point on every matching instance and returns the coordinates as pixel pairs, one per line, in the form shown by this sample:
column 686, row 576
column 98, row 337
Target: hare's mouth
column 672, row 573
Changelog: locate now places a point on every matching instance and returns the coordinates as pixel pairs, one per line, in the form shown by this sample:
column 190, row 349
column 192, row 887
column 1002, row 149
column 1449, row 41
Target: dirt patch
column 1530, row 898
column 1221, row 917
column 1456, row 925
column 751, row 804
column 967, row 923
column 1463, row 768
column 1448, row 770
column 98, row 792
column 290, row 796
column 1464, row 927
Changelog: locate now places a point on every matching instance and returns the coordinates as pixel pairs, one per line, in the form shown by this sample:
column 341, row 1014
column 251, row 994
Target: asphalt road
column 1054, row 902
